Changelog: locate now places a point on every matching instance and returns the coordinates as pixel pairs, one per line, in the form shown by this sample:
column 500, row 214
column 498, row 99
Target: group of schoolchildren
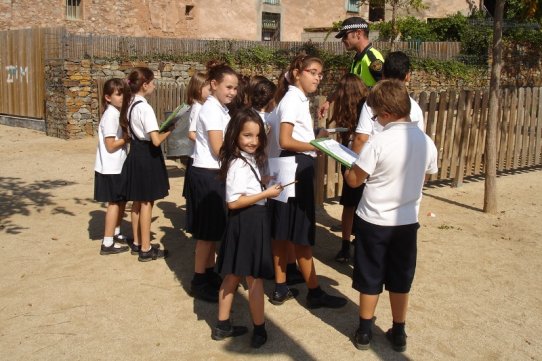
column 236, row 124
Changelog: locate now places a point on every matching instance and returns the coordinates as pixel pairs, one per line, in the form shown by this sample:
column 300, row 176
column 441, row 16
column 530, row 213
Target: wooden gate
column 22, row 88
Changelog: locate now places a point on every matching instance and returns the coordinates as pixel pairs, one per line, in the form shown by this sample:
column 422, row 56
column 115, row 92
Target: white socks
column 108, row 241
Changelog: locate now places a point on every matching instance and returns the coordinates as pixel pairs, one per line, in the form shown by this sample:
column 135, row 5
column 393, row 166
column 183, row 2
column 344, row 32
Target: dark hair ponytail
column 300, row 63
column 135, row 80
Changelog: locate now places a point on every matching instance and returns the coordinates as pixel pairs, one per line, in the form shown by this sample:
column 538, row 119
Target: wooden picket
column 166, row 97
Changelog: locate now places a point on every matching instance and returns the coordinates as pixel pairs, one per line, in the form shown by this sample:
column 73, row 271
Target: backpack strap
column 130, row 117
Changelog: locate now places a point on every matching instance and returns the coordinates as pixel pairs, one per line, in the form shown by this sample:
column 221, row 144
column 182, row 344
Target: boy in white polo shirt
column 386, row 222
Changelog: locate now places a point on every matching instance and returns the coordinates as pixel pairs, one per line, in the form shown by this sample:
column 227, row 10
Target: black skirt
column 108, row 187
column 350, row 197
column 206, row 204
column 246, row 246
column 296, row 220
column 144, row 172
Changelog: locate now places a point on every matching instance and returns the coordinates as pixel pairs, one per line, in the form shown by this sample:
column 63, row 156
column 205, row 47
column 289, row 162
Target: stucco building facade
column 282, row 20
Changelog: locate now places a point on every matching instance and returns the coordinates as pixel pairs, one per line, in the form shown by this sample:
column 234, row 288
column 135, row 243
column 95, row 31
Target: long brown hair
column 112, row 86
column 351, row 94
column 300, row 63
column 230, row 148
column 135, row 80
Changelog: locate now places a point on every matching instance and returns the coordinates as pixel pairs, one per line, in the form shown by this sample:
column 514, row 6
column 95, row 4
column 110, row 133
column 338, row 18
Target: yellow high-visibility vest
column 368, row 65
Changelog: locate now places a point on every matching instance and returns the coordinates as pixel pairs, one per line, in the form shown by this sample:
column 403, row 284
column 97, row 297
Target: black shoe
column 278, row 299
column 152, row 254
column 294, row 278
column 112, row 249
column 204, row 292
column 325, row 300
column 258, row 340
column 121, row 238
column 136, row 248
column 218, row 334
column 397, row 340
column 343, row 256
column 362, row 341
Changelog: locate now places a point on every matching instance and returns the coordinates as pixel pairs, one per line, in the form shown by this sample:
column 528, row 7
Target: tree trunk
column 393, row 26
column 490, row 190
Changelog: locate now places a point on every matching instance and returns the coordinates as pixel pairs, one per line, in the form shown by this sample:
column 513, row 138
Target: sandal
column 152, row 254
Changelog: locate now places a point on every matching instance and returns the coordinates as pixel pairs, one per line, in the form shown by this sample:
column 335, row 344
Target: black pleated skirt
column 296, row 220
column 246, row 246
column 108, row 187
column 144, row 173
column 206, row 205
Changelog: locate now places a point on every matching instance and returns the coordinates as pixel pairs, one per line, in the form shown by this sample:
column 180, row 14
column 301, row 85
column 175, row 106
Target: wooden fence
column 64, row 45
column 22, row 83
column 166, row 97
column 457, row 123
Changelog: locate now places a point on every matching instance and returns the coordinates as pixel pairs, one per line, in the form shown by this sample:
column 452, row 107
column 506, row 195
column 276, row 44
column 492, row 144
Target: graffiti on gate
column 17, row 73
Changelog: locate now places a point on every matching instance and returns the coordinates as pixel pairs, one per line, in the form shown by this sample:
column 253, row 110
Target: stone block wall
column 72, row 105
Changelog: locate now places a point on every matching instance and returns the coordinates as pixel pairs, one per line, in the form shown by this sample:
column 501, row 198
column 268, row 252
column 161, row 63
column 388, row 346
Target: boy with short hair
column 386, row 221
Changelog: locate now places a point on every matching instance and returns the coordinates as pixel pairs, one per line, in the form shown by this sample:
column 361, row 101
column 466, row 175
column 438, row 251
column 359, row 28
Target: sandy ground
column 477, row 294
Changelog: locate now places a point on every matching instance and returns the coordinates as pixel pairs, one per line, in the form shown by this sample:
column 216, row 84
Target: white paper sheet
column 283, row 172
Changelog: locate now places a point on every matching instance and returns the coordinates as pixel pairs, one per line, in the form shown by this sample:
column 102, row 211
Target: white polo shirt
column 142, row 120
column 294, row 109
column 192, row 120
column 109, row 163
column 212, row 116
column 396, row 160
column 366, row 125
column 241, row 181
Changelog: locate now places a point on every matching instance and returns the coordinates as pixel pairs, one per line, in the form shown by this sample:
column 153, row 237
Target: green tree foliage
column 449, row 28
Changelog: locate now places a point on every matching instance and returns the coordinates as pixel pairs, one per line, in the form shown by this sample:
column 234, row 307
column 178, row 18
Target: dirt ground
column 477, row 294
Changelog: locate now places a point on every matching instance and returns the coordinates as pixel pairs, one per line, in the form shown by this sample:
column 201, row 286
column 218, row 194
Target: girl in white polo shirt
column 206, row 190
column 246, row 248
column 110, row 156
column 144, row 172
column 295, row 220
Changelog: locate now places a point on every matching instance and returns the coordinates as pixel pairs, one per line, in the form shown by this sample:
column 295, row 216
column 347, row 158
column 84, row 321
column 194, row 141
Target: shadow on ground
column 21, row 198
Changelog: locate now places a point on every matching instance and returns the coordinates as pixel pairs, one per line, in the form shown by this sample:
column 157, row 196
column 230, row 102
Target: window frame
column 351, row 6
column 74, row 9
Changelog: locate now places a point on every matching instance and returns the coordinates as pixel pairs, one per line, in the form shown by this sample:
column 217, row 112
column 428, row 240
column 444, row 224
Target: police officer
column 367, row 64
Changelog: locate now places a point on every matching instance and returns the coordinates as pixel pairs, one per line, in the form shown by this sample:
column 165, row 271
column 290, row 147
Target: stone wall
column 72, row 101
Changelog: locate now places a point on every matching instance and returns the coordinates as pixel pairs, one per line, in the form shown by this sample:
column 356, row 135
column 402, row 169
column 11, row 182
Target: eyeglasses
column 315, row 73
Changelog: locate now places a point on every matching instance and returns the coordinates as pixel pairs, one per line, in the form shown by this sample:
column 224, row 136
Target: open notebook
column 336, row 150
column 173, row 117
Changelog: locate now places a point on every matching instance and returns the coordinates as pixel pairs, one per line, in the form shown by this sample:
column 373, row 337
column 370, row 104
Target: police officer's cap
column 353, row 23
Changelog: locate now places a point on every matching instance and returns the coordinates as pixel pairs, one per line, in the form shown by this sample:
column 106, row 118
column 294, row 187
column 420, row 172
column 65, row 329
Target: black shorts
column 384, row 256
column 108, row 188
